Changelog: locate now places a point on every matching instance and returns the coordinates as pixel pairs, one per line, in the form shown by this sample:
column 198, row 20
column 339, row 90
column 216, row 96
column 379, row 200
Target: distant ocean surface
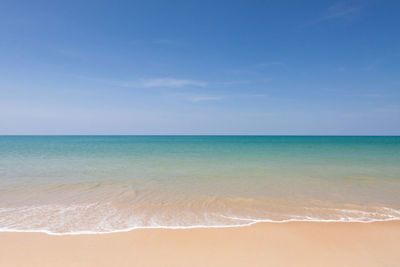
column 100, row 184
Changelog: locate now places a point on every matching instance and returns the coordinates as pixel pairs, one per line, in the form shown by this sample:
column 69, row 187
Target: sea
column 102, row 184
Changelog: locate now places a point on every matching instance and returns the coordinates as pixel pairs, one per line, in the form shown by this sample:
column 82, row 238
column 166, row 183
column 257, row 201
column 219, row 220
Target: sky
column 200, row 67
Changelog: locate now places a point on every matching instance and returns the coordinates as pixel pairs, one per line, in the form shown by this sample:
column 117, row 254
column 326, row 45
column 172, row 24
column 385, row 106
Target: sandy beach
column 264, row 244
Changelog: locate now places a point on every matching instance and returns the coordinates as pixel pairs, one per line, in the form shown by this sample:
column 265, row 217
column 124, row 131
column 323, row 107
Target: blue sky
column 200, row 67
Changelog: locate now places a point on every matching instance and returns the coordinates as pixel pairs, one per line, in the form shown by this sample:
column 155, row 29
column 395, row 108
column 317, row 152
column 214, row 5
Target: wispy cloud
column 169, row 82
column 340, row 69
column 388, row 109
column 374, row 95
column 70, row 53
column 268, row 64
column 258, row 69
column 168, row 42
column 204, row 98
column 337, row 11
column 369, row 67
column 180, row 83
column 347, row 93
column 201, row 98
column 243, row 71
column 164, row 82
column 239, row 82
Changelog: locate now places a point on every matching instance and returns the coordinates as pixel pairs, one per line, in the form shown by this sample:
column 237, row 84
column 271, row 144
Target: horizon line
column 222, row 135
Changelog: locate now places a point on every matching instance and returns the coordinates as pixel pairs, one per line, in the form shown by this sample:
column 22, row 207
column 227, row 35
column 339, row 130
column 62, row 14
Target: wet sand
column 264, row 244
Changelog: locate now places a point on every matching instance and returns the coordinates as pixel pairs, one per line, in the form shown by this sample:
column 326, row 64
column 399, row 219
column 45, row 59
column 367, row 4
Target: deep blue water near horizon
column 72, row 184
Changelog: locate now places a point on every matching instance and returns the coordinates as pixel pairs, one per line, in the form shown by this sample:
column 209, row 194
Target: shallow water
column 75, row 184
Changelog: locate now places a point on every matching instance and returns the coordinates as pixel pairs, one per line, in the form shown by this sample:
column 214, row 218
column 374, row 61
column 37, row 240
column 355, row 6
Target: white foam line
column 252, row 221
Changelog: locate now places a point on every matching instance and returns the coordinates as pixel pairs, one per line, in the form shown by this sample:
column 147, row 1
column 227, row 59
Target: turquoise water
column 94, row 184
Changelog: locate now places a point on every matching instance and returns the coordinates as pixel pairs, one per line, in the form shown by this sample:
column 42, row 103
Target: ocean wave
column 102, row 218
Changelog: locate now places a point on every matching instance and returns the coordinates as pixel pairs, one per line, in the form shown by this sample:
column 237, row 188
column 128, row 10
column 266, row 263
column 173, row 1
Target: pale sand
column 264, row 244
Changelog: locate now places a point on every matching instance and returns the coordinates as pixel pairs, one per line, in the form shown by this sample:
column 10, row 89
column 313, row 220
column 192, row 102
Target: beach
column 263, row 244
column 199, row 201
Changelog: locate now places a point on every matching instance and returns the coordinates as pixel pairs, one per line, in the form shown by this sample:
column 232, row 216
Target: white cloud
column 269, row 64
column 169, row 42
column 388, row 109
column 169, row 82
column 164, row 82
column 374, row 95
column 336, row 11
column 204, row 98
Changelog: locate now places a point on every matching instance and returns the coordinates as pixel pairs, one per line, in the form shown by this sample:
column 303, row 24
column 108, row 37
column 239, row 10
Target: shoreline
column 189, row 227
column 260, row 244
